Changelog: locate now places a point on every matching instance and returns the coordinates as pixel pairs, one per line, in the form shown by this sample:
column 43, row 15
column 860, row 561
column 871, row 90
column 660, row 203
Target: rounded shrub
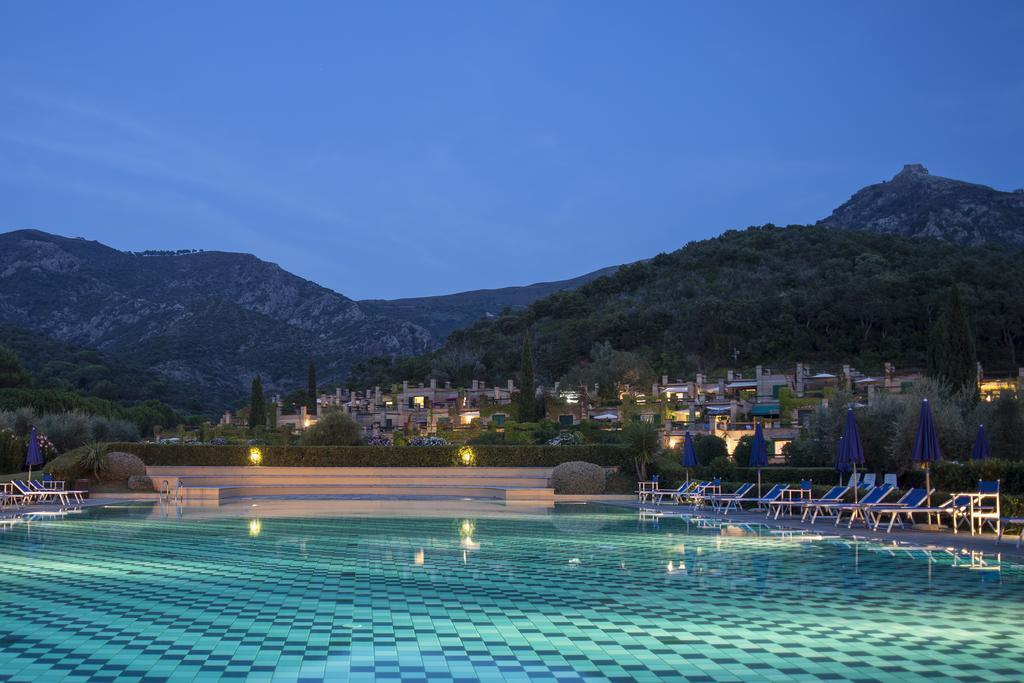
column 121, row 466
column 139, row 482
column 578, row 478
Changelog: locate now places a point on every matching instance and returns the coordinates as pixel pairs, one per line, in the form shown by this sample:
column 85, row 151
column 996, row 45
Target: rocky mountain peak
column 917, row 204
column 911, row 171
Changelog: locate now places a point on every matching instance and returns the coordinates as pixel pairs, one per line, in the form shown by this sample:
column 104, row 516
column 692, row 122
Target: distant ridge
column 444, row 314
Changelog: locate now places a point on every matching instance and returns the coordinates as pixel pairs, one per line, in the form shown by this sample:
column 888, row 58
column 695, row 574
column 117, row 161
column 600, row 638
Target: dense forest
column 766, row 295
column 88, row 372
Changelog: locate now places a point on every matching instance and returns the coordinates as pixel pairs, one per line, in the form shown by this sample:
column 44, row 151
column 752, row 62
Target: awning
column 765, row 409
column 717, row 410
column 605, row 416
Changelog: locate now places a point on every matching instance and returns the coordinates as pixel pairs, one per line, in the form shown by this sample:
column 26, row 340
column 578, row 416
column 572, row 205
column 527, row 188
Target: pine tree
column 952, row 359
column 257, row 408
column 527, row 389
column 311, row 387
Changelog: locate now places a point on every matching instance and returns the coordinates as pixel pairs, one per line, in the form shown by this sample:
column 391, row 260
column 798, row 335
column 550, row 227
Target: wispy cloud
column 135, row 148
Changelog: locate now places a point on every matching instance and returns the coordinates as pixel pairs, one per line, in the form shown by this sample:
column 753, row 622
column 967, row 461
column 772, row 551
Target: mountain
column 442, row 315
column 192, row 328
column 768, row 295
column 917, row 204
column 208, row 320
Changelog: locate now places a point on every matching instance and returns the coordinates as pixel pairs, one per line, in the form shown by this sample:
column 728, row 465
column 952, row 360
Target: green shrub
column 721, row 468
column 372, row 456
column 333, row 429
column 708, row 447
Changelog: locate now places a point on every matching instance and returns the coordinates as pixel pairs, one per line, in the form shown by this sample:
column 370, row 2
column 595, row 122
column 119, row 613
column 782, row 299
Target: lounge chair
column 700, row 495
column 985, row 507
column 911, row 502
column 774, row 493
column 852, row 481
column 890, row 478
column 657, row 495
column 58, row 489
column 830, row 510
column 833, row 495
column 1004, row 522
column 868, row 480
column 29, row 494
column 723, row 502
column 788, row 497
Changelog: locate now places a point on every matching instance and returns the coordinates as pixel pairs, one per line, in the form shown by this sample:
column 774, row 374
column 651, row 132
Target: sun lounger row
column 19, row 492
column 871, row 506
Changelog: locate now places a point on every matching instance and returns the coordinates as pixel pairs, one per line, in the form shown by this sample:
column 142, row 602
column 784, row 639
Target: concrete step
column 215, row 495
column 350, row 480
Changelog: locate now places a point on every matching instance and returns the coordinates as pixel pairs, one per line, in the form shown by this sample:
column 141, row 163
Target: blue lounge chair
column 836, row 510
column 657, row 495
column 58, row 490
column 833, row 495
column 986, row 509
column 29, row 494
column 906, row 506
column 723, row 502
column 700, row 495
column 774, row 493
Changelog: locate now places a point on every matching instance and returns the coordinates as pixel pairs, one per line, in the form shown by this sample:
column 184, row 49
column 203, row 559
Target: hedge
column 372, row 456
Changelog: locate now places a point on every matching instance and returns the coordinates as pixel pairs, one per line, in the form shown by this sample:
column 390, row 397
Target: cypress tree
column 527, row 389
column 311, row 387
column 257, row 408
column 12, row 375
column 952, row 359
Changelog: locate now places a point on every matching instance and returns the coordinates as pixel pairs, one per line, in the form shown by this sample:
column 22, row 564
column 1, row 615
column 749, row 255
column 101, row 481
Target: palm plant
column 93, row 459
column 643, row 442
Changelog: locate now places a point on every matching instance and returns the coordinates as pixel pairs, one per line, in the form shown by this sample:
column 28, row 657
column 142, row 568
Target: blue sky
column 412, row 148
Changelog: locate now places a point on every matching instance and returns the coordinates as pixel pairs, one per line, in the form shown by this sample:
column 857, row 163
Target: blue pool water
column 480, row 592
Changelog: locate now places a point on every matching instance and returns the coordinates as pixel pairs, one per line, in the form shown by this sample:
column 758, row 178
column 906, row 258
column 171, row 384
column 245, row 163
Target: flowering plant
column 428, row 441
column 566, row 439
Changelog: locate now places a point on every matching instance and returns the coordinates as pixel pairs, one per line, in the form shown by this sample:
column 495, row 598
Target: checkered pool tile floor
column 583, row 593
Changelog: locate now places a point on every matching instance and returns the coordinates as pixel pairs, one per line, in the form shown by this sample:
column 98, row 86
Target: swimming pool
column 471, row 591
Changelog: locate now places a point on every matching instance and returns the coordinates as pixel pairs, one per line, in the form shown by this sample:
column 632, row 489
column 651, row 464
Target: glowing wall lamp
column 255, row 456
column 466, row 456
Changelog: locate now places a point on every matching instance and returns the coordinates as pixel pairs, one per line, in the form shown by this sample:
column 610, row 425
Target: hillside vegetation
column 765, row 295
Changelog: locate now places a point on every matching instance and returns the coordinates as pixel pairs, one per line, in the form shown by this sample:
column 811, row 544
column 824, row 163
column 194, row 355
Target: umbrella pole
column 928, row 486
column 758, row 482
column 856, row 485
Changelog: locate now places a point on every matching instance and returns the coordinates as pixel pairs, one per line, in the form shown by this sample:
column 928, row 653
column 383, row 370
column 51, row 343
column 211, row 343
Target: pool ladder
column 171, row 496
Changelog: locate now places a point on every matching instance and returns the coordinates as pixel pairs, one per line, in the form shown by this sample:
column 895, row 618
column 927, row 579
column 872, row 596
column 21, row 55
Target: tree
column 257, row 407
column 642, row 442
column 12, row 375
column 708, row 447
column 334, row 428
column 527, row 388
column 311, row 386
column 952, row 360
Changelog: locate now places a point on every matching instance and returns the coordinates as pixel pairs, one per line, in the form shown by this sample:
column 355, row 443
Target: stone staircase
column 214, row 485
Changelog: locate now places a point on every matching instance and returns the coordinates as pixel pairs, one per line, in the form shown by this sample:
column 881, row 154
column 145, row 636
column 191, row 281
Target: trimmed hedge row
column 372, row 456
